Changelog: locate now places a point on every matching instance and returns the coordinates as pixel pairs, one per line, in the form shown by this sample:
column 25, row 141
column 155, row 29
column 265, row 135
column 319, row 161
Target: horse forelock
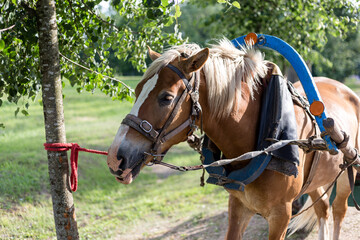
column 168, row 56
column 225, row 70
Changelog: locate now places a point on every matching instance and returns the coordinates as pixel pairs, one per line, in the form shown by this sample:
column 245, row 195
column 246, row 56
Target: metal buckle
column 194, row 96
column 261, row 40
column 143, row 128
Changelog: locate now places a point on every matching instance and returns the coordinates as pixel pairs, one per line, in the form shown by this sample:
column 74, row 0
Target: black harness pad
column 277, row 122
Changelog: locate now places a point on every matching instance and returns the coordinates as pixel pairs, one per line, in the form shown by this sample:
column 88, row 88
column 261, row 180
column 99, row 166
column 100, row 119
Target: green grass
column 105, row 209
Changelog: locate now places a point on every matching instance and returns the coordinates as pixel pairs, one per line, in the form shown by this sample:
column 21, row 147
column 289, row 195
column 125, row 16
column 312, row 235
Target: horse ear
column 196, row 62
column 152, row 54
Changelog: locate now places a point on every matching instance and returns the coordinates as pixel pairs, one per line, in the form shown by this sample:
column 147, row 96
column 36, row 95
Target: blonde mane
column 224, row 71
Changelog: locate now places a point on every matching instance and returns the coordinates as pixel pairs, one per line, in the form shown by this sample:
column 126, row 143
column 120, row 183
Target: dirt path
column 213, row 227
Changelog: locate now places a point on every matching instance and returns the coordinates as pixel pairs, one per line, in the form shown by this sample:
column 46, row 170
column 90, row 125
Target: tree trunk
column 63, row 205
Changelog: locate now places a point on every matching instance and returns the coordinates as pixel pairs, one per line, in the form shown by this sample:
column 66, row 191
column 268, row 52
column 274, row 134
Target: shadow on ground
column 214, row 228
column 197, row 228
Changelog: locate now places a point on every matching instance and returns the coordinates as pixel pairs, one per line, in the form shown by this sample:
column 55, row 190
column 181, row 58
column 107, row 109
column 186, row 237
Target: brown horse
column 229, row 94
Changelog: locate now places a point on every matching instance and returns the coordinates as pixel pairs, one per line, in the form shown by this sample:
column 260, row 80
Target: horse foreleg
column 340, row 204
column 321, row 208
column 278, row 220
column 239, row 218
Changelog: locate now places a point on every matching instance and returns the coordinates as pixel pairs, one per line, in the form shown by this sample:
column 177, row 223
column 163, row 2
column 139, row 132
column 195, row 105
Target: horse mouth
column 128, row 175
column 126, row 180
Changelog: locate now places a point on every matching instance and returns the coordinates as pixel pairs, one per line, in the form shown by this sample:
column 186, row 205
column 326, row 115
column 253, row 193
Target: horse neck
column 237, row 133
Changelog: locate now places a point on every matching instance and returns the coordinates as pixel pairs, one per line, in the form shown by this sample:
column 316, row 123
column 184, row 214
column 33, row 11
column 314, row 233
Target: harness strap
column 178, row 168
column 303, row 103
column 142, row 126
column 157, row 137
column 311, row 175
column 169, row 120
column 222, row 180
column 250, row 155
column 322, row 195
column 196, row 107
column 351, row 182
column 182, row 76
column 188, row 89
column 176, row 130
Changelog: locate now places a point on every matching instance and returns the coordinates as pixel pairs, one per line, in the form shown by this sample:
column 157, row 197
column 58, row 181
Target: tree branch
column 100, row 18
column 90, row 70
column 9, row 28
column 30, row 11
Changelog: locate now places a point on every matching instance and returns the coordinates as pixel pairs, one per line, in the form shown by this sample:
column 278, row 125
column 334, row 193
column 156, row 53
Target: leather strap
column 351, row 182
column 182, row 76
column 176, row 131
column 142, row 126
column 188, row 88
column 179, row 168
column 157, row 137
column 311, row 174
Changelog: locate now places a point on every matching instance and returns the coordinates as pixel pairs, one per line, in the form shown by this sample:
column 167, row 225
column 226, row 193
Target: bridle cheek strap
column 142, row 126
column 160, row 136
column 176, row 131
column 146, row 129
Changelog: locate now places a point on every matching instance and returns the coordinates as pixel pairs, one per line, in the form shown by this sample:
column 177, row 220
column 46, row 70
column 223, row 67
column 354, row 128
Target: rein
column 158, row 137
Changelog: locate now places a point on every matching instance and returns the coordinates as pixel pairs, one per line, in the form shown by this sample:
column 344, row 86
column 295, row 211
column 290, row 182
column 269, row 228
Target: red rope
column 75, row 149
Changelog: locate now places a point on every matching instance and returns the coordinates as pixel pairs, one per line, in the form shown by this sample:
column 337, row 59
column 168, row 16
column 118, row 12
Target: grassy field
column 105, row 209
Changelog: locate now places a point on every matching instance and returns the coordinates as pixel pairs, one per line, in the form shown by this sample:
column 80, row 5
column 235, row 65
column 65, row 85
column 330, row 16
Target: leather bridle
column 160, row 136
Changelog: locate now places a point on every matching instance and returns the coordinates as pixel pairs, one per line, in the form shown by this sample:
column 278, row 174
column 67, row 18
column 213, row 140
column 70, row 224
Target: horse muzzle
column 125, row 164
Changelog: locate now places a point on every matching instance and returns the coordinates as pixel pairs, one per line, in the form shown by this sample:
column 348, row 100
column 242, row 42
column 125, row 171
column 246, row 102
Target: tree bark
column 63, row 205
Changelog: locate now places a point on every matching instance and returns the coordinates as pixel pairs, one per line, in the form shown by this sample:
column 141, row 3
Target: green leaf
column 236, row 4
column 177, row 11
column 2, row 45
column 17, row 111
column 164, row 3
column 221, row 1
column 169, row 22
column 25, row 112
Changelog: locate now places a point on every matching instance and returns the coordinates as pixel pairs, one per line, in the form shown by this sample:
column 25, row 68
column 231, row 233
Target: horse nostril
column 122, row 159
column 116, row 173
column 123, row 163
column 119, row 157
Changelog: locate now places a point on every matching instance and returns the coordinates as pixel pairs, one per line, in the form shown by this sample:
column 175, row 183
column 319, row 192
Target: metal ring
column 144, row 129
column 261, row 40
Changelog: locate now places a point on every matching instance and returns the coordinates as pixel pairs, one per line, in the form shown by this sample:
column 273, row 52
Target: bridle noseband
column 158, row 137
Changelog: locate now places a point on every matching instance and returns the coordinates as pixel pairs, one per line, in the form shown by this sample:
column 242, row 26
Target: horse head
column 161, row 115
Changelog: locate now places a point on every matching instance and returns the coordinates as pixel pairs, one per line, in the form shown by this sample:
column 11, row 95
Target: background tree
column 305, row 25
column 63, row 204
column 84, row 37
column 33, row 31
column 342, row 57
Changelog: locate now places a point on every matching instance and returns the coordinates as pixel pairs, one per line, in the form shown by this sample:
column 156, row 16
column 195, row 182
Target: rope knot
column 75, row 148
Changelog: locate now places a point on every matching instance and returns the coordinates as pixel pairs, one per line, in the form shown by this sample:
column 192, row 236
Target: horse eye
column 166, row 99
